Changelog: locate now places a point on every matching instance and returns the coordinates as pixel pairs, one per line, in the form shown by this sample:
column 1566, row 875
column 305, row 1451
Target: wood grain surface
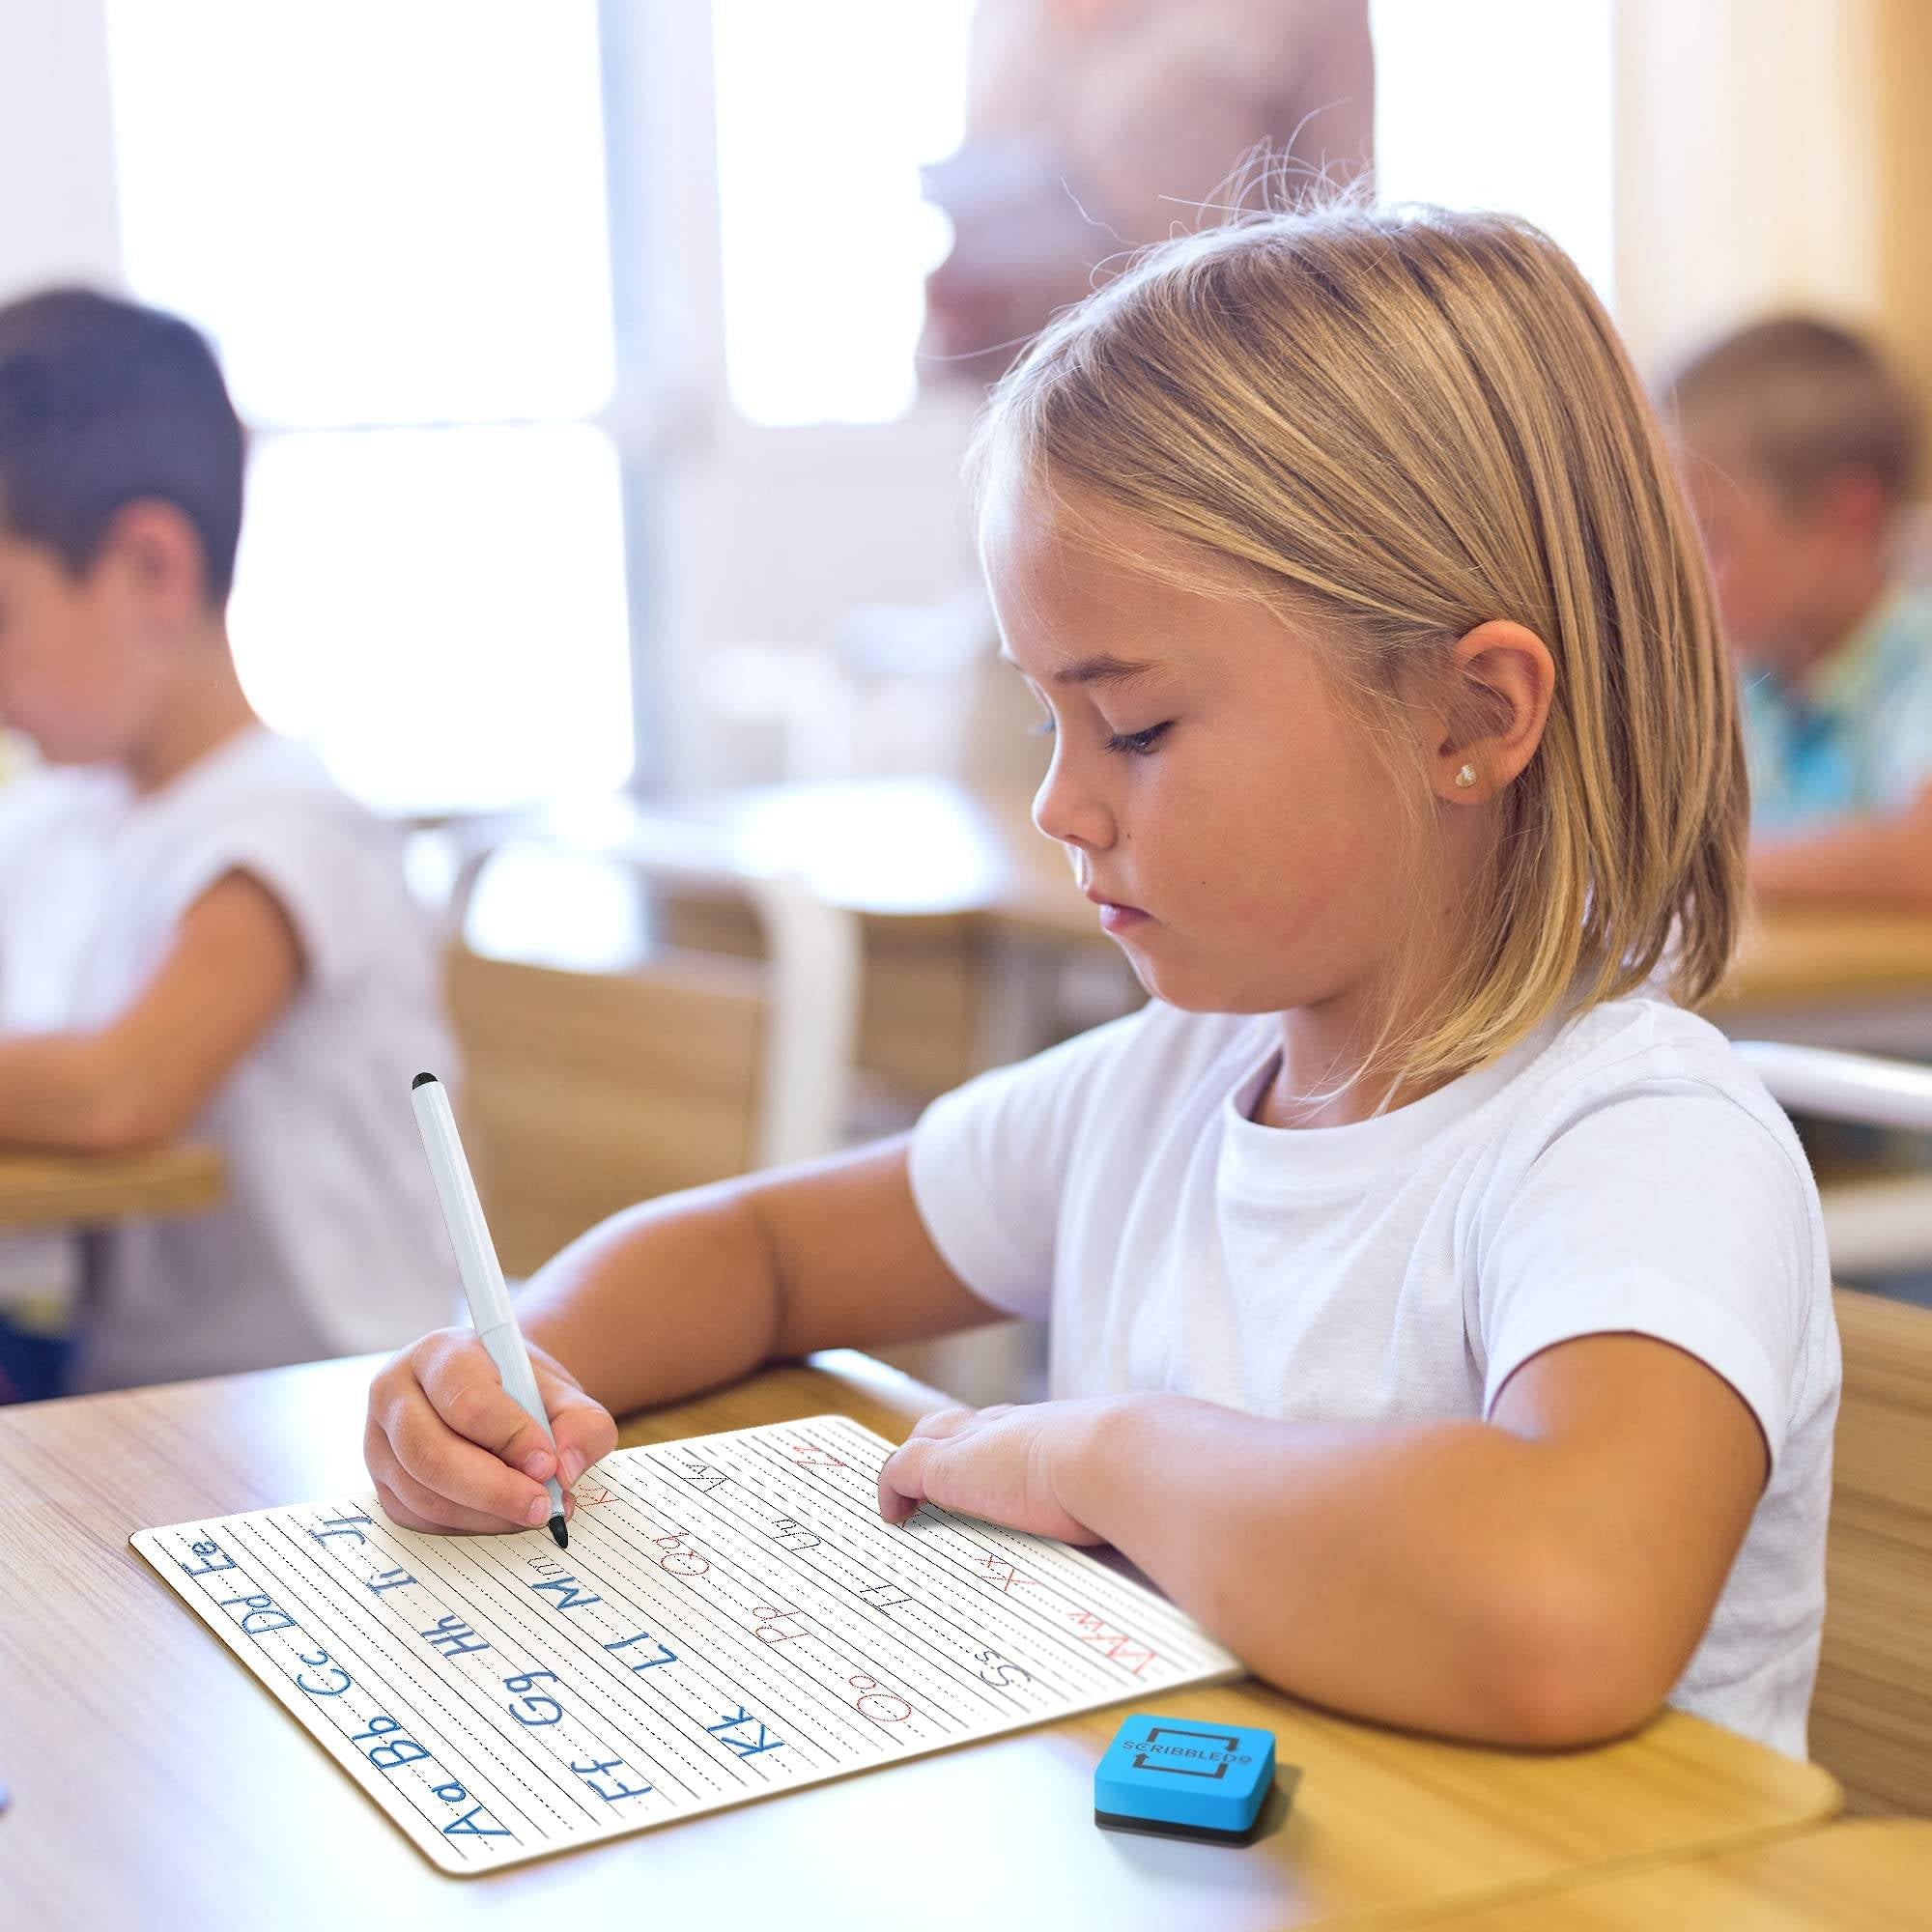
column 1863, row 1877
column 40, row 1190
column 153, row 1782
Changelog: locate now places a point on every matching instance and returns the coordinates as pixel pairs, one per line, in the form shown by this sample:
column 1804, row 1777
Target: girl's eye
column 1130, row 744
column 1138, row 744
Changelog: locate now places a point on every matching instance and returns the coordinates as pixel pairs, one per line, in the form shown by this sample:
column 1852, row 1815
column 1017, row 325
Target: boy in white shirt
column 199, row 933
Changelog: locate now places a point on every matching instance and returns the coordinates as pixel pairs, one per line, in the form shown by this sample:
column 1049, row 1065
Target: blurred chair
column 585, row 1091
column 1871, row 1717
column 1877, row 1226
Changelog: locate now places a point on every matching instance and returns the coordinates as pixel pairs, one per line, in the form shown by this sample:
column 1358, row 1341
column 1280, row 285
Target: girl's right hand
column 451, row 1452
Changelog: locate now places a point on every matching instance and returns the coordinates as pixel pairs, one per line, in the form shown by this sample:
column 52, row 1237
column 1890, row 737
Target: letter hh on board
column 452, row 1636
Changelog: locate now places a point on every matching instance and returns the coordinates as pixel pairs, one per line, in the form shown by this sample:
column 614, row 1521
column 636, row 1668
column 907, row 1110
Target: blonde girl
column 1440, row 1310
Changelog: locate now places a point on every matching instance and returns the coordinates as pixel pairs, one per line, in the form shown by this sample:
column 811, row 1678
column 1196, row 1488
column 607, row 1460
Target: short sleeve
column 1671, row 1211
column 988, row 1165
column 320, row 868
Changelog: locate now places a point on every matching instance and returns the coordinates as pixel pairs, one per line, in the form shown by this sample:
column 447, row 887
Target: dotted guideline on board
column 731, row 1620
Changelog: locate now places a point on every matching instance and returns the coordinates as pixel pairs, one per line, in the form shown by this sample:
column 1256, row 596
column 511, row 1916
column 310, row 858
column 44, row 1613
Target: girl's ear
column 1501, row 685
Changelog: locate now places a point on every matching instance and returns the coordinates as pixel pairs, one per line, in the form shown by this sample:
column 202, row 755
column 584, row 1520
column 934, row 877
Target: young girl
column 1439, row 1313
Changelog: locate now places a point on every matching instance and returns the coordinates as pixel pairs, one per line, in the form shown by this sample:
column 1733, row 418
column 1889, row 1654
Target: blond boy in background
column 1800, row 446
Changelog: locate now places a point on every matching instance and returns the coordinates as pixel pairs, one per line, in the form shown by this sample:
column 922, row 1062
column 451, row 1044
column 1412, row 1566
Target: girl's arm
column 698, row 1288
column 1537, row 1580
column 679, row 1294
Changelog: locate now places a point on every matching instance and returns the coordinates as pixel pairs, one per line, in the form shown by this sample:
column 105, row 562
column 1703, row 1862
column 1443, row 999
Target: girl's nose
column 1067, row 809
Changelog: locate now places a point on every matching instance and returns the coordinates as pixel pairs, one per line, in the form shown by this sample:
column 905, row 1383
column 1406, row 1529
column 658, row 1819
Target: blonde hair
column 1394, row 426
column 1806, row 400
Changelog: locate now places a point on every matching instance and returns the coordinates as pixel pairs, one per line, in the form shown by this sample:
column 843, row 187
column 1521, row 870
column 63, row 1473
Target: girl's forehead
column 1073, row 584
column 1062, row 608
column 1065, row 555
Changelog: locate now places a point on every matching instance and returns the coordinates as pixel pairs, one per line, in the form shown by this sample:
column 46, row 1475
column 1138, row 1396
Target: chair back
column 1871, row 1715
column 585, row 1091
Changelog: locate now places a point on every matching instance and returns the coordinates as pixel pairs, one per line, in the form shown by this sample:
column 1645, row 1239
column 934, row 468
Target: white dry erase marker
column 477, row 1263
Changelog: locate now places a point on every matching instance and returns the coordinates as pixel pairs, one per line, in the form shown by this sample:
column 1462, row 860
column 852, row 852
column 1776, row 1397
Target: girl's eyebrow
column 1104, row 669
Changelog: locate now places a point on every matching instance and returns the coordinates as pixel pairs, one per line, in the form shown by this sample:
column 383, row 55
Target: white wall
column 1746, row 171
column 58, row 219
column 762, row 536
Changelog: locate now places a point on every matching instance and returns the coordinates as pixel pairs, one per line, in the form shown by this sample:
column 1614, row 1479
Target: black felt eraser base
column 1155, row 1828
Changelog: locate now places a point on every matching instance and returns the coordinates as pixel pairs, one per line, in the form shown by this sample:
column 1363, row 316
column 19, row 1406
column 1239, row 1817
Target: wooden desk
column 153, row 1778
column 39, row 1190
column 1875, row 1876
column 1809, row 955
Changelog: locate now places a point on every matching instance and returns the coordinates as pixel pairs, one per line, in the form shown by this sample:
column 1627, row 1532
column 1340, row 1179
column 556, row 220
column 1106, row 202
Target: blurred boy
column 199, row 933
column 1800, row 446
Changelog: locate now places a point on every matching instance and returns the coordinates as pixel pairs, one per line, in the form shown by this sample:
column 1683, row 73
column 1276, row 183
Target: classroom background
column 609, row 367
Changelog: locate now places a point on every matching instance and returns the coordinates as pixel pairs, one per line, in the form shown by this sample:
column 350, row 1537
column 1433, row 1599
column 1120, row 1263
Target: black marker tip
column 557, row 1530
column 422, row 1080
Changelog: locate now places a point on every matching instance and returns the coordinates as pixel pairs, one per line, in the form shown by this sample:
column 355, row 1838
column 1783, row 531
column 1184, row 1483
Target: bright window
column 1501, row 104
column 391, row 219
column 441, row 610
column 825, row 110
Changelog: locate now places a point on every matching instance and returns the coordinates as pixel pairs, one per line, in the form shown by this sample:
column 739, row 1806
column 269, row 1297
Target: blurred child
column 1798, row 447
column 199, row 933
column 1439, row 1312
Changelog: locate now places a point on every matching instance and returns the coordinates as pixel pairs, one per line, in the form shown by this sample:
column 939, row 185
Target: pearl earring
column 1466, row 777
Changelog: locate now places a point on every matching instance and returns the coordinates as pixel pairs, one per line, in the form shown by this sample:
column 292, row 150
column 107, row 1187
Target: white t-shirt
column 1624, row 1170
column 329, row 1241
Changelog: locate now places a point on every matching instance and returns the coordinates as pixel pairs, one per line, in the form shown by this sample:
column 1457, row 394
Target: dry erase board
column 731, row 1621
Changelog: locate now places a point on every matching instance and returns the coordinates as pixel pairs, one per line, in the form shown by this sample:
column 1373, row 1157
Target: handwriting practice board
column 732, row 1619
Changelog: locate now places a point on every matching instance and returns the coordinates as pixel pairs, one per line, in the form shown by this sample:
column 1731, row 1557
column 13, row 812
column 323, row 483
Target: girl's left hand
column 1007, row 1463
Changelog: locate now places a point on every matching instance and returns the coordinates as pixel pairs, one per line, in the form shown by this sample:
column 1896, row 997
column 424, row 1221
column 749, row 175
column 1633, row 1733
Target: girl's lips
column 1117, row 917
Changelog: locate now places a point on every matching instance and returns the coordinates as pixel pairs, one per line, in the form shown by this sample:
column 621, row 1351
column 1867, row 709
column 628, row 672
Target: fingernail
column 573, row 1464
column 538, row 1512
column 536, row 1465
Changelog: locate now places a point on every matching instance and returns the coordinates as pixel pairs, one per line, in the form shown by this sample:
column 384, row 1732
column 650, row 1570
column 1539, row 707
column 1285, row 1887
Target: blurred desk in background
column 980, row 948
column 929, row 860
column 1834, row 976
column 47, row 1190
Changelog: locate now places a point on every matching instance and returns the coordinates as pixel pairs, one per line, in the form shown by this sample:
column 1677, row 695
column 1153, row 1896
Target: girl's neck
column 1281, row 1104
column 1314, row 1083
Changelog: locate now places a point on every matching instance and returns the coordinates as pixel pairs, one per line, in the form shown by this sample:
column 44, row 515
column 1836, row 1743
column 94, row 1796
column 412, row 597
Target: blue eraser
column 1185, row 1778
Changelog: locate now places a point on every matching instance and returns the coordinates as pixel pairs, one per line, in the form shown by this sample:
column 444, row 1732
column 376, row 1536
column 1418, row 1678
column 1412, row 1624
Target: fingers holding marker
column 432, row 1453
column 466, row 1389
column 415, row 1505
